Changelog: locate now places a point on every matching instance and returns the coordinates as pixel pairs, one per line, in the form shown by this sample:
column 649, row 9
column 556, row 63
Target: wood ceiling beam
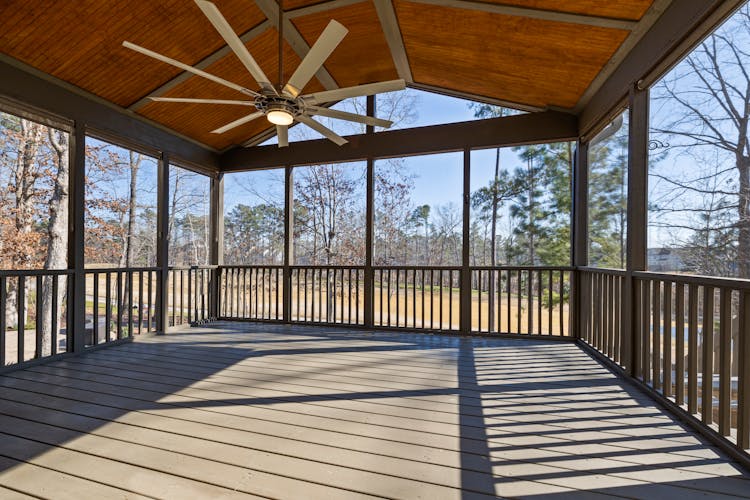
column 477, row 98
column 320, row 7
column 531, row 128
column 293, row 37
column 545, row 15
column 29, row 86
column 683, row 24
column 202, row 64
column 392, row 32
column 647, row 21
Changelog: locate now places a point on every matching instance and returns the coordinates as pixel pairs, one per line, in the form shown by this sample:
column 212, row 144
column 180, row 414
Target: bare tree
column 704, row 110
column 57, row 235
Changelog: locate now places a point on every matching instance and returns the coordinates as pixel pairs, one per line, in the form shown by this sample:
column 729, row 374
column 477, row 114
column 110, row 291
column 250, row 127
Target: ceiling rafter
column 203, row 64
column 542, row 14
column 293, row 37
column 480, row 98
column 392, row 32
column 647, row 21
column 320, row 7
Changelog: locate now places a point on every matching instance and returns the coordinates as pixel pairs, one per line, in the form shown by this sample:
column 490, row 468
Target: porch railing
column 601, row 297
column 685, row 337
column 419, row 298
column 690, row 341
column 327, row 295
column 120, row 303
column 251, row 292
column 521, row 300
column 34, row 315
column 191, row 292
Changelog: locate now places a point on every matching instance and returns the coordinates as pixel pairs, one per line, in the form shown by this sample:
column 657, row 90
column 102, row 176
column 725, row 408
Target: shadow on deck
column 237, row 409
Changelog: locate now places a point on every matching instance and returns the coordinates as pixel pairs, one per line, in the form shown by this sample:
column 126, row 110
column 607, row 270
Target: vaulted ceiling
column 534, row 54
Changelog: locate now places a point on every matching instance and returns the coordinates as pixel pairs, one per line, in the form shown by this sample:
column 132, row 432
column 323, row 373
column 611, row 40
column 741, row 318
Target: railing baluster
column 190, row 297
column 95, row 324
column 725, row 361
column 509, row 303
column 479, row 305
column 645, row 331
column 38, row 320
column 667, row 340
column 55, row 316
column 679, row 328
column 440, row 278
column 655, row 338
column 130, row 303
column 549, row 303
column 21, row 309
column 150, row 311
column 708, row 356
column 450, row 299
column 108, row 307
column 743, row 394
column 140, row 302
column 3, row 325
column 424, row 290
column 518, row 325
column 119, row 304
column 692, row 348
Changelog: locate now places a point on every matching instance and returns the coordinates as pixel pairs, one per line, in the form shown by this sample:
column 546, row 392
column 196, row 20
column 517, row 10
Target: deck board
column 243, row 410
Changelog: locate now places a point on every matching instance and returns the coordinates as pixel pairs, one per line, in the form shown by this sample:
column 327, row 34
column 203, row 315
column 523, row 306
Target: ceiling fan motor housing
column 278, row 103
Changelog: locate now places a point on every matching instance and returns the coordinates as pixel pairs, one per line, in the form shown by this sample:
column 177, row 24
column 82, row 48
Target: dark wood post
column 369, row 278
column 76, row 327
column 637, row 211
column 216, row 254
column 580, row 238
column 288, row 243
column 465, row 297
column 162, row 246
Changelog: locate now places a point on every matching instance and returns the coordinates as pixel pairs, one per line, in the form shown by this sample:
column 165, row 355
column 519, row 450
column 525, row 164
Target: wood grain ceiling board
column 631, row 10
column 198, row 120
column 363, row 56
column 515, row 59
column 80, row 41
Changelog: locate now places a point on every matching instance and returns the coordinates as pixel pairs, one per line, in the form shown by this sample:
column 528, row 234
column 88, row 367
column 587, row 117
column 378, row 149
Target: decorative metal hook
column 654, row 144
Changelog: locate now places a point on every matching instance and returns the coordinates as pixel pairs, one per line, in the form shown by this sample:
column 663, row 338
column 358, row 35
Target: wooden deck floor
column 241, row 410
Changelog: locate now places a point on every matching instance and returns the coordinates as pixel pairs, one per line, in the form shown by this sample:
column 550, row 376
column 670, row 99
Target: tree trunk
column 135, row 163
column 57, row 241
column 493, row 247
column 25, row 179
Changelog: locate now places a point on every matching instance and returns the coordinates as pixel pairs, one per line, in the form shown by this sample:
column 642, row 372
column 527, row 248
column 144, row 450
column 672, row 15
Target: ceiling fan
column 281, row 106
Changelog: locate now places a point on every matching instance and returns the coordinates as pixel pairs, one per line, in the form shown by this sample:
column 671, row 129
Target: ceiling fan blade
column 325, row 131
column 227, row 33
column 358, row 91
column 190, row 69
column 319, row 52
column 352, row 117
column 282, row 132
column 202, row 101
column 237, row 123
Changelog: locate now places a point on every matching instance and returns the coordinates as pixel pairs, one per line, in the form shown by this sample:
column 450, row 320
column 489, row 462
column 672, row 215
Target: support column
column 369, row 278
column 76, row 324
column 216, row 253
column 580, row 242
column 465, row 301
column 288, row 243
column 162, row 245
column 637, row 217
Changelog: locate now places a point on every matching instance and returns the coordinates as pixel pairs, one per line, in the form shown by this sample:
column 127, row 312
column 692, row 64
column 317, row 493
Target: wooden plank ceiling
column 451, row 46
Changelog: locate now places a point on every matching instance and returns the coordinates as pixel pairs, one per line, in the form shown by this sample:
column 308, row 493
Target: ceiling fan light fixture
column 280, row 117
